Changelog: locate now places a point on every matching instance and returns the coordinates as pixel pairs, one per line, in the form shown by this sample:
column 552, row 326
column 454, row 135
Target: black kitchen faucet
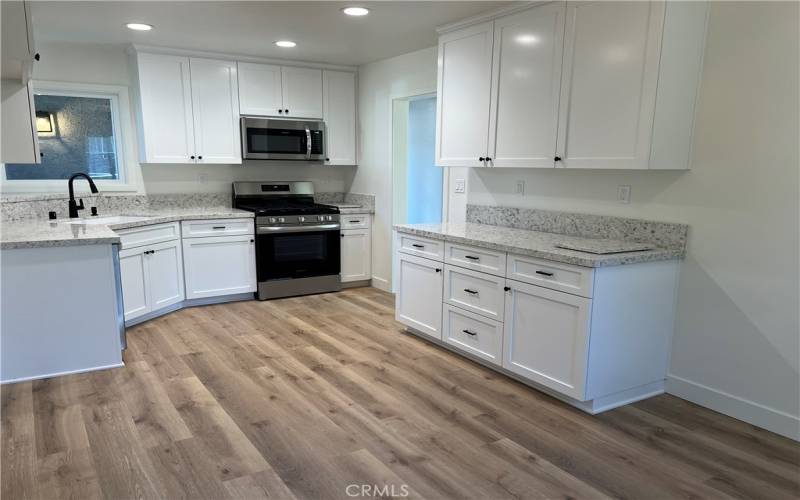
column 74, row 207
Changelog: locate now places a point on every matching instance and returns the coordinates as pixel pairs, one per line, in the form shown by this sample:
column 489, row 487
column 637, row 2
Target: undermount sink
column 112, row 219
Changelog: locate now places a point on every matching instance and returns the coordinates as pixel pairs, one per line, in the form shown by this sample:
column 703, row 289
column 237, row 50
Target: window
column 79, row 127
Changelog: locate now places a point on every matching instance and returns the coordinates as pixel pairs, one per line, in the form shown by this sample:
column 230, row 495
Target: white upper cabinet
column 526, row 79
column 165, row 109
column 283, row 91
column 464, row 84
column 215, row 105
column 339, row 113
column 608, row 90
column 260, row 89
column 188, row 110
column 302, row 92
column 603, row 85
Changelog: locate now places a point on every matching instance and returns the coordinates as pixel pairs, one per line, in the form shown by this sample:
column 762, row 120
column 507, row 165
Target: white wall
column 737, row 340
column 108, row 64
column 379, row 83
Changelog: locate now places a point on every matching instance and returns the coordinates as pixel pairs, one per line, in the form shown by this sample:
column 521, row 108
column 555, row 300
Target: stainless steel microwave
column 276, row 139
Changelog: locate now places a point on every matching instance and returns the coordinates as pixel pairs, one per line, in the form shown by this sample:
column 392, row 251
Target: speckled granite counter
column 32, row 233
column 351, row 208
column 532, row 243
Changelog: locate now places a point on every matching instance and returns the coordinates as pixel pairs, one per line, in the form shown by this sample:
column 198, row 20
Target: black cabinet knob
column 192, row 157
column 481, row 158
column 280, row 111
column 252, row 240
column 438, row 270
column 37, row 56
column 287, row 111
column 488, row 159
column 557, row 158
column 506, row 288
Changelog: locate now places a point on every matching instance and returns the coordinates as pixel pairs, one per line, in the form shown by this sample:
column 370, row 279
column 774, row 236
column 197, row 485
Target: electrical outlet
column 624, row 194
column 521, row 188
column 461, row 186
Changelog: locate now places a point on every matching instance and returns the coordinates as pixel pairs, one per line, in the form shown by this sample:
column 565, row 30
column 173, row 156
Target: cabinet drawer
column 473, row 333
column 355, row 221
column 475, row 258
column 218, row 227
column 555, row 275
column 148, row 235
column 423, row 247
column 474, row 291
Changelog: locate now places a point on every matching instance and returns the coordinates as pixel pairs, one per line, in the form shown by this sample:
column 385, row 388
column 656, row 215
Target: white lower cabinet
column 152, row 278
column 546, row 337
column 356, row 255
column 473, row 333
column 419, row 297
column 219, row 265
column 599, row 337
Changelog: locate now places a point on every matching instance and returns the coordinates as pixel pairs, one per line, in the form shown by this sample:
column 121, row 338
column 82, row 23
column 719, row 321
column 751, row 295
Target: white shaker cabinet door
column 260, row 89
column 526, row 81
column 356, row 252
column 165, row 271
column 302, row 92
column 608, row 89
column 219, row 265
column 546, row 337
column 419, row 295
column 165, row 95
column 339, row 113
column 215, row 106
column 464, row 81
column 134, row 278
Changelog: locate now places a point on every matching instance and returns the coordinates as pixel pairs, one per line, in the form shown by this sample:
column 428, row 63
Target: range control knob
column 273, row 220
column 321, row 218
column 301, row 219
column 281, row 219
column 329, row 218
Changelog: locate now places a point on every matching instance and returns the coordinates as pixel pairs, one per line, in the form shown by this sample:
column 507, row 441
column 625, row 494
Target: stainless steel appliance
column 277, row 139
column 297, row 240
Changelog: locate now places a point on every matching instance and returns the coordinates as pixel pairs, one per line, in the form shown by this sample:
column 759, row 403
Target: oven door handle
column 296, row 229
column 308, row 143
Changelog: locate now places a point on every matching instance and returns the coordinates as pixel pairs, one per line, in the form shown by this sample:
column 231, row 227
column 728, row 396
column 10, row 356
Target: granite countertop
column 534, row 243
column 352, row 208
column 34, row 233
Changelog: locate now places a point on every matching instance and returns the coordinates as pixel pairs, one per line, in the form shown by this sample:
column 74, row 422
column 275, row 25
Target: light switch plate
column 461, row 186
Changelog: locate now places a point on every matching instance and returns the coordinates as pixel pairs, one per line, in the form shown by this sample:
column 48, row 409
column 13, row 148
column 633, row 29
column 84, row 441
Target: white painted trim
column 751, row 412
column 151, row 49
column 122, row 122
column 488, row 16
column 61, row 374
column 381, row 284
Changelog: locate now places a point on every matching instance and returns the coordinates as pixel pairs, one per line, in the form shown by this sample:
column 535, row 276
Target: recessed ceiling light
column 139, row 26
column 356, row 11
column 285, row 43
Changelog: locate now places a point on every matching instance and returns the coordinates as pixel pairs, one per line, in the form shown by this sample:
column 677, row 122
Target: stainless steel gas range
column 297, row 240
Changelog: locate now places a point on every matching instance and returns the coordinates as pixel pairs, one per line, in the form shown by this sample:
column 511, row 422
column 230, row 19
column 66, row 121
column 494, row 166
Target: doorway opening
column 417, row 181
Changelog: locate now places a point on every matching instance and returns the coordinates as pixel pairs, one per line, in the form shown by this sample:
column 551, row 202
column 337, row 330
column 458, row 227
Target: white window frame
column 122, row 127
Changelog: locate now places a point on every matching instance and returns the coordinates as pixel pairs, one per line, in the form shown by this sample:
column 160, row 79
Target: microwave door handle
column 308, row 143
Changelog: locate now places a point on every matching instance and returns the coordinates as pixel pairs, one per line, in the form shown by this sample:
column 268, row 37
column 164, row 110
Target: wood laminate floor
column 302, row 397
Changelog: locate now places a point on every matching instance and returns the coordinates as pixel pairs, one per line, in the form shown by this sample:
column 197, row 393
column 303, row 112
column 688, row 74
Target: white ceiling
column 322, row 32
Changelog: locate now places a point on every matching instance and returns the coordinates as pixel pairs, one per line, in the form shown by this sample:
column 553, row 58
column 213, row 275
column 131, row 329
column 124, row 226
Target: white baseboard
column 381, row 284
column 751, row 412
column 61, row 374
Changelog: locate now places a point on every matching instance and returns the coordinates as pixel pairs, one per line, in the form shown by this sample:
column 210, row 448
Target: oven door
column 266, row 139
column 297, row 252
